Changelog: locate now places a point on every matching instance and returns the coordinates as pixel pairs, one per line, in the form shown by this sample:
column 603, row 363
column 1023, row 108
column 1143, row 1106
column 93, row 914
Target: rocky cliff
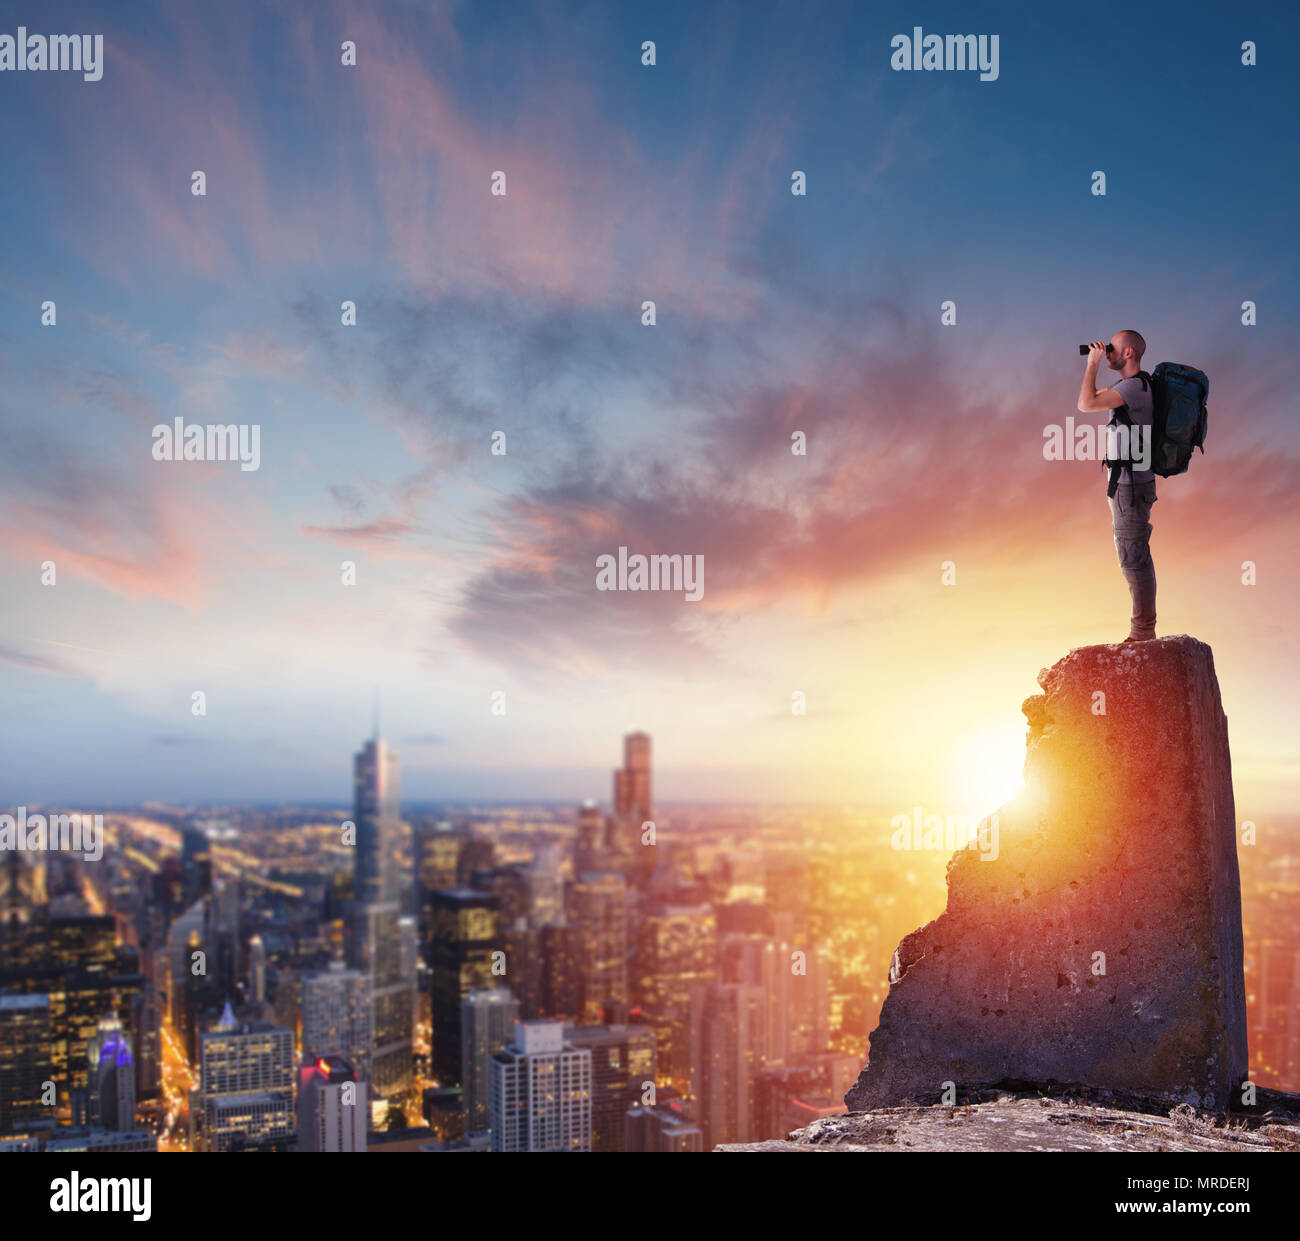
column 1073, row 1121
column 1102, row 947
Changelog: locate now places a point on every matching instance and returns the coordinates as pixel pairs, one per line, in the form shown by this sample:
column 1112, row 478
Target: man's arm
column 1090, row 400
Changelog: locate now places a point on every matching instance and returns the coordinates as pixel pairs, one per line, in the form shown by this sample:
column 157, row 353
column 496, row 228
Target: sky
column 481, row 313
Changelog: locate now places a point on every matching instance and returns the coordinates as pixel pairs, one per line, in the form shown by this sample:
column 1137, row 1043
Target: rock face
column 1102, row 946
column 1007, row 1121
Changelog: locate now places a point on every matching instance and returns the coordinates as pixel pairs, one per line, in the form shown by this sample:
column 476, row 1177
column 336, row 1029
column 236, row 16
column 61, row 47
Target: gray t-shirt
column 1139, row 410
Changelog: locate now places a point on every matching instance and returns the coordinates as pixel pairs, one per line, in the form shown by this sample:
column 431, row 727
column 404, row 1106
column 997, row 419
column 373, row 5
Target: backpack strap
column 1119, row 417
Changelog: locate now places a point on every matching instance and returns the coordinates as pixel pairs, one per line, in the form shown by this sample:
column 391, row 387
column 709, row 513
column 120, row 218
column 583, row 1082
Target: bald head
column 1123, row 341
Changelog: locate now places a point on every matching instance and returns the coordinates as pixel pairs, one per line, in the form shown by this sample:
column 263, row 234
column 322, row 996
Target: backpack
column 1179, row 419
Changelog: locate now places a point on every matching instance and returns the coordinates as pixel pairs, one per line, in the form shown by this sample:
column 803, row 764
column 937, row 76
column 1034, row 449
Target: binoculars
column 1083, row 350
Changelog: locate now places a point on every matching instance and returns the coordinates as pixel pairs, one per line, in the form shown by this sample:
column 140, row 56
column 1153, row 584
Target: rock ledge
column 1030, row 1121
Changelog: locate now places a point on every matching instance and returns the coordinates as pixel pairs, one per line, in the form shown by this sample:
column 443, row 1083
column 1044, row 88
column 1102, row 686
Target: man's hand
column 1090, row 400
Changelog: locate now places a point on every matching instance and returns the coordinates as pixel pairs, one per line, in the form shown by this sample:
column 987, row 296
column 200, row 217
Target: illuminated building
column 245, row 1089
column 331, row 1106
column 488, row 1017
column 381, row 938
column 598, row 911
column 337, row 1017
column 111, row 1073
column 632, row 809
column 728, row 1021
column 676, row 951
column 378, row 949
column 590, row 852
column 464, row 939
column 540, row 1092
column 622, row 1067
column 24, row 1060
column 377, row 802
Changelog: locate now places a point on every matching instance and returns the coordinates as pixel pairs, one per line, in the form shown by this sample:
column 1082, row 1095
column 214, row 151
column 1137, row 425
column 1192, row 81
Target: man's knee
column 1134, row 552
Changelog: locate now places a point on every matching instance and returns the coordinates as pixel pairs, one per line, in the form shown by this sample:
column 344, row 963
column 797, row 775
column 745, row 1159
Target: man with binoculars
column 1130, row 505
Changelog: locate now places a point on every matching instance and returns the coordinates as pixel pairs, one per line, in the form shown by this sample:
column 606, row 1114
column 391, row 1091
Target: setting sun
column 986, row 770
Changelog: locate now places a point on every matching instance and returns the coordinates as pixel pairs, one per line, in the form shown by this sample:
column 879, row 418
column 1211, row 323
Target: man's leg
column 1130, row 509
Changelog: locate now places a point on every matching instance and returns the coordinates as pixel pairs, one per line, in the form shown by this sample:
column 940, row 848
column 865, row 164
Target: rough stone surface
column 1008, row 1121
column 1123, row 843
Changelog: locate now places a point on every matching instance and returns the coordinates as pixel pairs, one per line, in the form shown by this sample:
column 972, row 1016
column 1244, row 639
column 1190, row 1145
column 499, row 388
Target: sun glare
column 986, row 770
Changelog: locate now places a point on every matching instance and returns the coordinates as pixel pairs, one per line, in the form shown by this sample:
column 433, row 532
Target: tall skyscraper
column 768, row 963
column 632, row 784
column 727, row 1026
column 589, row 850
column 598, row 910
column 196, row 864
column 381, row 941
column 379, row 934
column 111, row 1075
column 246, row 1086
column 632, row 809
column 540, row 1090
column 487, row 1023
column 337, row 1019
column 257, row 970
column 545, row 888
column 25, row 1063
column 622, row 1066
column 331, row 1106
column 676, row 951
column 464, row 939
column 560, row 994
column 377, row 807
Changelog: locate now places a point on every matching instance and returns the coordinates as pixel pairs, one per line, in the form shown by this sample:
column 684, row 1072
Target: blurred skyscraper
column 661, row 1130
column 378, row 950
column 464, row 939
column 377, row 807
column 337, row 1017
column 25, row 1062
column 331, row 1106
column 245, row 1096
column 382, row 939
column 257, row 970
column 632, row 809
column 727, row 1029
column 622, row 1067
column 111, row 1075
column 632, row 784
column 677, row 950
column 487, row 1023
column 598, row 911
column 540, row 1092
column 590, row 849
